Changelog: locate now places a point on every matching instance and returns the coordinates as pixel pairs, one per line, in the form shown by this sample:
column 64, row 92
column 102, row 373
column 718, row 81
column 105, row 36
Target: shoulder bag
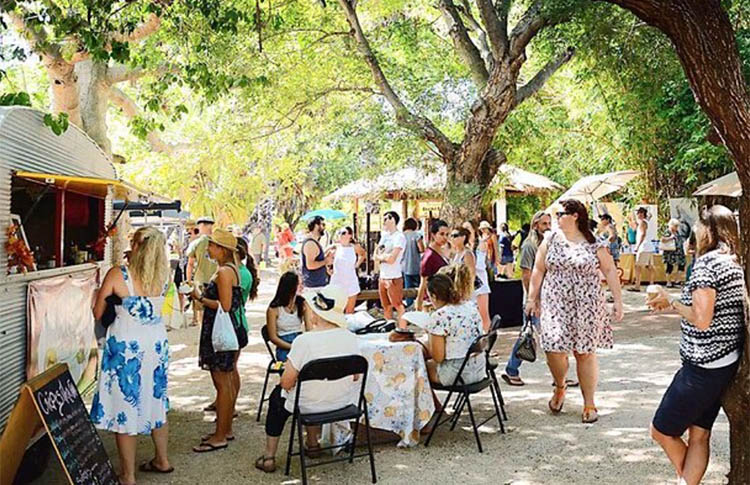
column 527, row 346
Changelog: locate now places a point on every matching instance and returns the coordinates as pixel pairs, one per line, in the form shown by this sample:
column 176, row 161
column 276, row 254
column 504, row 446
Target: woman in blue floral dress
column 132, row 394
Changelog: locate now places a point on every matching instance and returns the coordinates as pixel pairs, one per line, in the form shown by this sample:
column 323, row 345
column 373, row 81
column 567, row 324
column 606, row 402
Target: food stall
column 56, row 197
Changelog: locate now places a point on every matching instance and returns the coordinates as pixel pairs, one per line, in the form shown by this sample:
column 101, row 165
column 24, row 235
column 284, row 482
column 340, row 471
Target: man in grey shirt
column 412, row 255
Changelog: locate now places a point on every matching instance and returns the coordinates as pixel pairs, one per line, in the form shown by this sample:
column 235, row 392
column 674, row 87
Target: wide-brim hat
column 485, row 225
column 328, row 302
column 224, row 238
column 205, row 220
column 418, row 318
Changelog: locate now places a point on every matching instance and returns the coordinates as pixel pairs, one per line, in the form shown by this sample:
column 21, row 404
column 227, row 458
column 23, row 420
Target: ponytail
column 242, row 253
column 461, row 284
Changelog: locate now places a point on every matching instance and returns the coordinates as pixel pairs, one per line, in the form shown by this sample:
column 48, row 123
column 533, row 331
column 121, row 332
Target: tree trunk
column 94, row 100
column 465, row 188
column 63, row 81
column 704, row 39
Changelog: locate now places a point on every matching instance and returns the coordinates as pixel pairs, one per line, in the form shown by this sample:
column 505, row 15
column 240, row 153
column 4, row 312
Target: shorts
column 506, row 260
column 692, row 399
column 644, row 259
column 178, row 276
column 474, row 371
column 391, row 292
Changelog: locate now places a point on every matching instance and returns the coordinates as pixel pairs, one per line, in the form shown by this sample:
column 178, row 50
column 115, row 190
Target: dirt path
column 538, row 448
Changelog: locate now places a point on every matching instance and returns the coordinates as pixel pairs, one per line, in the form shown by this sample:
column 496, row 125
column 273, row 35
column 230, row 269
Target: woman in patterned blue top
column 132, row 395
column 713, row 308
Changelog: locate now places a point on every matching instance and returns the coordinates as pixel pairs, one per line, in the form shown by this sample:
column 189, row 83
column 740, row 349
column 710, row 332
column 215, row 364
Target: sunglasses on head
column 455, row 234
column 323, row 303
column 562, row 213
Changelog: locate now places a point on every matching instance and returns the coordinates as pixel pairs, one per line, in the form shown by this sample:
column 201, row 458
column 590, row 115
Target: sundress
column 574, row 316
column 480, row 268
column 207, row 358
column 132, row 391
column 676, row 257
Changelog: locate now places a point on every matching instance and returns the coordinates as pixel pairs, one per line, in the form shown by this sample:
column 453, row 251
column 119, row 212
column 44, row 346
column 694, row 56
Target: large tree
column 494, row 55
column 703, row 37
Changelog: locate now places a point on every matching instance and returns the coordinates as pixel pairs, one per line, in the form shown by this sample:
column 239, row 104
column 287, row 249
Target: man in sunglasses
column 314, row 259
column 389, row 254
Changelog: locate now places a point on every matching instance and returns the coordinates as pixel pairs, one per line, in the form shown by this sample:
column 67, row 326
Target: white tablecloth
column 398, row 391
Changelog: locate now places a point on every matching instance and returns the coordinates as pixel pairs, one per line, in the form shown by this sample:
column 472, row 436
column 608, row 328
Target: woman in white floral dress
column 565, row 292
column 132, row 394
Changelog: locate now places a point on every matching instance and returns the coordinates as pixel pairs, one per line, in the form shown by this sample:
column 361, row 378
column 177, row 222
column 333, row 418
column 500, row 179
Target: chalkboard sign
column 59, row 407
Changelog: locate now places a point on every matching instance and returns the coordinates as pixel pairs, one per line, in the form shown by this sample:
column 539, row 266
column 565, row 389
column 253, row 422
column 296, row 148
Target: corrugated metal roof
column 26, row 143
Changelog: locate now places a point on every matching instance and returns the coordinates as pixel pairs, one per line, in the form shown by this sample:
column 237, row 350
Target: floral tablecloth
column 398, row 391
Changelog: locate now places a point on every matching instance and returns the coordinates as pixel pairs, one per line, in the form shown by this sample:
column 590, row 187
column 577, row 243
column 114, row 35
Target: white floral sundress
column 132, row 392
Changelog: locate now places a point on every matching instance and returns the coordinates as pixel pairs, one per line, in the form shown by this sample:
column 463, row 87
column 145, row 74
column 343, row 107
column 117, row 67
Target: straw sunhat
column 328, row 303
column 224, row 238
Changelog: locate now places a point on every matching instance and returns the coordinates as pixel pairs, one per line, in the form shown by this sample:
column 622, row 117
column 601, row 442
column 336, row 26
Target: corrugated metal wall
column 13, row 345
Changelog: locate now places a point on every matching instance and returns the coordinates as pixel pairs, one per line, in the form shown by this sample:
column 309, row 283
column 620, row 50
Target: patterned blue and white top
column 132, row 394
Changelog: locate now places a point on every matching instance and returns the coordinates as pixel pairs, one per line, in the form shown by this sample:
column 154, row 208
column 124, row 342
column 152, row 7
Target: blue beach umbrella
column 325, row 213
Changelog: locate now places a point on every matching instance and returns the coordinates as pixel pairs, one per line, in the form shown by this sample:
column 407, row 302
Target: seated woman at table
column 285, row 315
column 463, row 280
column 455, row 325
column 328, row 337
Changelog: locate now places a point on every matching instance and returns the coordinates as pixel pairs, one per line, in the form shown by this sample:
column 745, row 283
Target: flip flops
column 207, row 447
column 149, row 467
column 260, row 464
column 590, row 415
column 513, row 380
column 560, row 395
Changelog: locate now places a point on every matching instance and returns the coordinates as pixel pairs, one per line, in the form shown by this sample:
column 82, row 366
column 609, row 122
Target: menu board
column 74, row 437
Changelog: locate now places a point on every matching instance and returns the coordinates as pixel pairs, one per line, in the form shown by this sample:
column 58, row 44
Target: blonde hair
column 673, row 223
column 463, row 285
column 148, row 260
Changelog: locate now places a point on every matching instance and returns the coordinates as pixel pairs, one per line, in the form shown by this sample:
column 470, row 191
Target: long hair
column 243, row 253
column 148, row 261
column 286, row 291
column 534, row 232
column 349, row 231
column 440, row 286
column 716, row 226
column 573, row 206
column 463, row 232
column 463, row 285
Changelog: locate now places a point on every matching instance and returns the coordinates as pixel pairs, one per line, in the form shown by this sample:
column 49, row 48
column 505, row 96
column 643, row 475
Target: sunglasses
column 323, row 303
column 562, row 213
column 455, row 234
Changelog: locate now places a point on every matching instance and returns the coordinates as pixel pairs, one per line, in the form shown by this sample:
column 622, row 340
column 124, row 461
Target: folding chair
column 492, row 364
column 332, row 368
column 273, row 368
column 478, row 349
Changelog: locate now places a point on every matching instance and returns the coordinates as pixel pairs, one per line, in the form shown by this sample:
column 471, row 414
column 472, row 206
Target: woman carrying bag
column 221, row 298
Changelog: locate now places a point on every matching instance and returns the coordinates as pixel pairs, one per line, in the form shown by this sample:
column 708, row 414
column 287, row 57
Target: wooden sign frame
column 24, row 423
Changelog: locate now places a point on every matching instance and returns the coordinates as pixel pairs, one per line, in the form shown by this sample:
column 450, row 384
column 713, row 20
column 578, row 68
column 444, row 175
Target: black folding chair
column 479, row 349
column 331, row 369
column 493, row 364
column 273, row 368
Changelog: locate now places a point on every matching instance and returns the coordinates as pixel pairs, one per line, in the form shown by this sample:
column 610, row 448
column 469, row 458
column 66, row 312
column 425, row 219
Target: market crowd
column 447, row 271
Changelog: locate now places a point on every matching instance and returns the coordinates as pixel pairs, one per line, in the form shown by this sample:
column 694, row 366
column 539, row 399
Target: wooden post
column 354, row 224
column 404, row 209
column 369, row 248
column 59, row 242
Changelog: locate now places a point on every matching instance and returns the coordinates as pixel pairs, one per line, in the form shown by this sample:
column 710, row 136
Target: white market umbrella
column 594, row 187
column 728, row 185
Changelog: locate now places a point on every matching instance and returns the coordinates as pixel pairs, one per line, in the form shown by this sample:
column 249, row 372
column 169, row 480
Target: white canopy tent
column 728, row 185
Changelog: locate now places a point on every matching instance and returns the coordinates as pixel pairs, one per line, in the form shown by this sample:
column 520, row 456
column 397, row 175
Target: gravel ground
column 537, row 448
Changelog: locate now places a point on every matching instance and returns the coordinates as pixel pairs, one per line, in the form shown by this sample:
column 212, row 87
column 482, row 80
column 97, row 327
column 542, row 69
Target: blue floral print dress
column 132, row 394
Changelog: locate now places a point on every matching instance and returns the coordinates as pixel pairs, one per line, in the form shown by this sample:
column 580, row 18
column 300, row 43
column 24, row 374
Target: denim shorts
column 693, row 398
column 473, row 372
column 281, row 354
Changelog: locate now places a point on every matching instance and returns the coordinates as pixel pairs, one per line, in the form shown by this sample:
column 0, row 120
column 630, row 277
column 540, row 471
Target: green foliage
column 15, row 99
column 58, row 124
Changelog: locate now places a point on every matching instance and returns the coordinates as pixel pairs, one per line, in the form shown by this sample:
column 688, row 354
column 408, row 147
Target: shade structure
column 594, row 187
column 728, row 185
column 325, row 213
column 430, row 181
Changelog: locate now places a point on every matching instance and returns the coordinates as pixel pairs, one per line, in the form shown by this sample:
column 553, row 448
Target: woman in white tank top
column 347, row 258
column 284, row 317
column 477, row 263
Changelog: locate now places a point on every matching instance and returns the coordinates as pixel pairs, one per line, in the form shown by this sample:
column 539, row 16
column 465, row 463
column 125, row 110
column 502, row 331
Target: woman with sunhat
column 223, row 289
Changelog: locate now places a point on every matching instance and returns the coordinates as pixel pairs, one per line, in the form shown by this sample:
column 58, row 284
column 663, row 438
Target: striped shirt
column 724, row 335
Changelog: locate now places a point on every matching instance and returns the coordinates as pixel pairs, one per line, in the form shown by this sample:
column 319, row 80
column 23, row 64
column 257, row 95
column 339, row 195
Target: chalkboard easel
column 50, row 401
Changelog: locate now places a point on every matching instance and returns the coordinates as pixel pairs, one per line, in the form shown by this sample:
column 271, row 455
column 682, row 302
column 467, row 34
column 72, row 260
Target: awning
column 95, row 187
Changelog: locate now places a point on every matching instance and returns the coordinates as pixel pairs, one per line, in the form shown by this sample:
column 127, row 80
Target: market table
column 398, row 393
column 506, row 300
column 627, row 263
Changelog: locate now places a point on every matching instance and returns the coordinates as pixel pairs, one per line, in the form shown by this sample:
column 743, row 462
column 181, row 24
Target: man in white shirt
column 389, row 254
column 328, row 337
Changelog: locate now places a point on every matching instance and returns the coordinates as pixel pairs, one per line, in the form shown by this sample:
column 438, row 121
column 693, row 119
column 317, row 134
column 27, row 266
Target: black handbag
column 108, row 317
column 527, row 344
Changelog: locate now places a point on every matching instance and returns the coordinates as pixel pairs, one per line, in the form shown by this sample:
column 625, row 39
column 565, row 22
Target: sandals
column 151, row 468
column 207, row 447
column 260, row 464
column 210, row 408
column 512, row 380
column 209, row 436
column 560, row 396
column 568, row 382
column 314, row 452
column 590, row 415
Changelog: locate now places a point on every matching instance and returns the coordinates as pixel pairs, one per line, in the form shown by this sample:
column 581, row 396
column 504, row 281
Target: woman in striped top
column 713, row 310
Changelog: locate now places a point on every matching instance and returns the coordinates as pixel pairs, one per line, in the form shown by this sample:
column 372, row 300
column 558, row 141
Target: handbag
column 223, row 336
column 527, row 344
column 109, row 315
column 669, row 245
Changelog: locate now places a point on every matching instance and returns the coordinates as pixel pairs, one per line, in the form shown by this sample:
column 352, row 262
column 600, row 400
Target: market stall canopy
column 92, row 186
column 416, row 181
column 728, row 185
column 324, row 213
column 594, row 187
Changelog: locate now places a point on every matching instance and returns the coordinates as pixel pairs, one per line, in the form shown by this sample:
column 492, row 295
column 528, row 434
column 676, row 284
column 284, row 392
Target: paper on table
column 420, row 319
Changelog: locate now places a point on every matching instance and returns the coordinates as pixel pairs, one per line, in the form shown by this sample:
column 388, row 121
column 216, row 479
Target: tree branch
column 142, row 31
column 463, row 44
column 131, row 110
column 541, row 77
column 418, row 124
column 120, row 73
column 496, row 27
column 475, row 26
column 35, row 34
column 530, row 24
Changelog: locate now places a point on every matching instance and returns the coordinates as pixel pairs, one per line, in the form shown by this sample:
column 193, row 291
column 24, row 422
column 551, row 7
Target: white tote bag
column 223, row 337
